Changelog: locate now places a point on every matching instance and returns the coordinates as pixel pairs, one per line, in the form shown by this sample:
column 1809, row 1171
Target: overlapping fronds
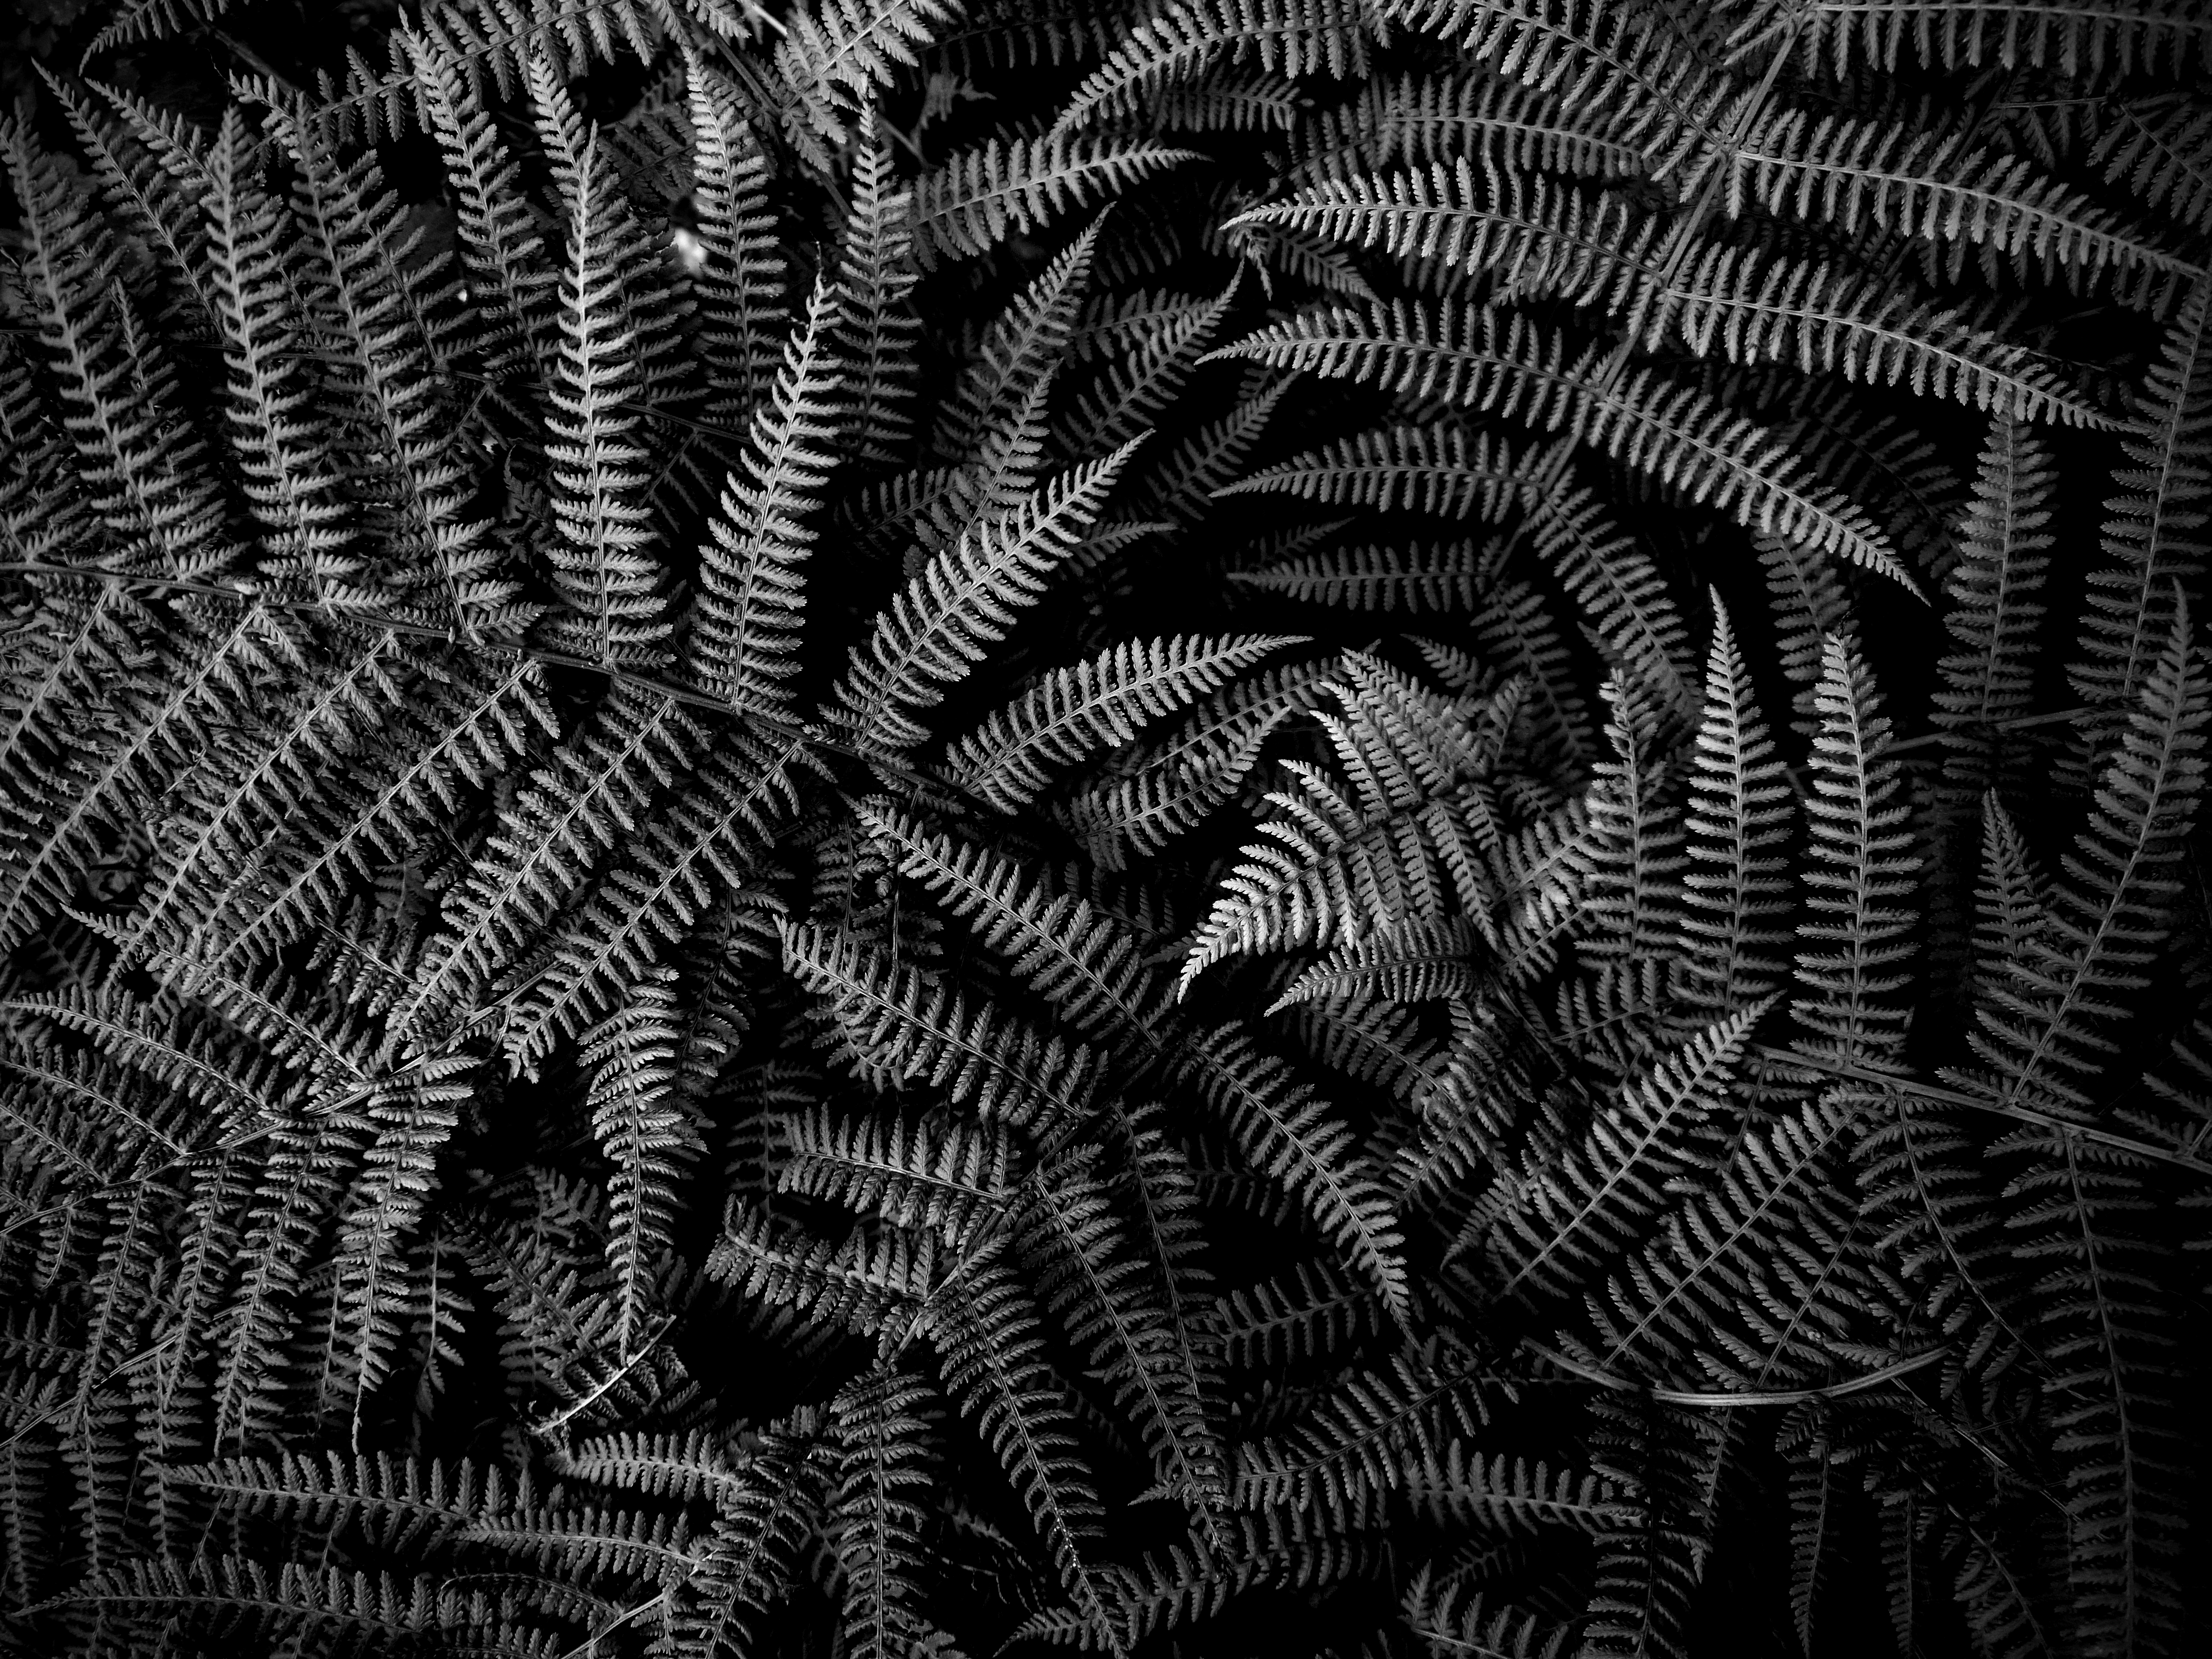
column 930, row 827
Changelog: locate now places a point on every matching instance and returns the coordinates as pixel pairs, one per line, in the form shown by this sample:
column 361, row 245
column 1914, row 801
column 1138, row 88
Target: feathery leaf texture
column 915, row 827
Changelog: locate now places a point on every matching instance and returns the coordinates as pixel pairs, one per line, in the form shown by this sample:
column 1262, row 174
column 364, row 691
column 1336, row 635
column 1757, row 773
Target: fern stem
column 1941, row 1096
column 1724, row 1400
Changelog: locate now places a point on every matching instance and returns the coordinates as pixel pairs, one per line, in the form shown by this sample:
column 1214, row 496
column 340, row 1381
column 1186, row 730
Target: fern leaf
column 877, row 1512
column 1094, row 704
column 2156, row 533
column 1449, row 1627
column 703, row 848
column 752, row 601
column 1738, row 817
column 601, row 564
column 1443, row 470
column 740, row 279
column 1836, row 36
column 2046, row 1030
column 974, row 201
column 1065, row 949
column 2002, row 548
column 994, row 1367
column 1936, row 188
column 1100, row 1289
column 1296, row 37
column 836, row 54
column 1559, row 1225
column 907, row 1026
column 1864, row 861
column 642, row 1131
column 949, row 1178
column 961, row 602
column 1521, row 373
column 589, row 791
column 1289, row 1134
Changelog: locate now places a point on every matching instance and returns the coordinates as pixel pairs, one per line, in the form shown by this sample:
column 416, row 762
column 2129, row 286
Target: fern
column 911, row 827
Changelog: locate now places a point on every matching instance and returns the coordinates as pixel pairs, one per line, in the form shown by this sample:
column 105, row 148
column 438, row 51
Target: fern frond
column 2003, row 556
column 1755, row 1281
column 1095, row 704
column 1447, row 576
column 590, row 790
column 1296, row 37
column 1753, row 309
column 514, row 288
column 394, row 1502
column 1444, row 470
column 614, row 588
column 2046, row 1029
column 645, row 1135
column 2156, row 533
column 745, row 631
column 876, row 326
column 864, row 1282
column 949, row 1178
column 1064, row 947
column 703, row 849
column 1556, row 1226
column 1521, row 372
column 960, row 603
column 1168, row 793
column 995, row 1366
column 143, row 463
column 835, row 57
column 1434, row 116
column 2161, row 149
column 1290, row 1134
column 738, row 286
column 1464, row 1488
column 1450, row 1628
column 978, row 198
column 1418, row 961
column 1111, row 1303
column 906, row 1024
column 1835, row 37
column 1024, row 343
column 1934, row 187
column 883, row 1428
column 1738, row 818
column 1863, row 864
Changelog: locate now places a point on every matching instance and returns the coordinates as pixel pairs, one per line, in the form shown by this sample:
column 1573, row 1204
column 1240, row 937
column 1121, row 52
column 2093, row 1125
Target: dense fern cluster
column 883, row 827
